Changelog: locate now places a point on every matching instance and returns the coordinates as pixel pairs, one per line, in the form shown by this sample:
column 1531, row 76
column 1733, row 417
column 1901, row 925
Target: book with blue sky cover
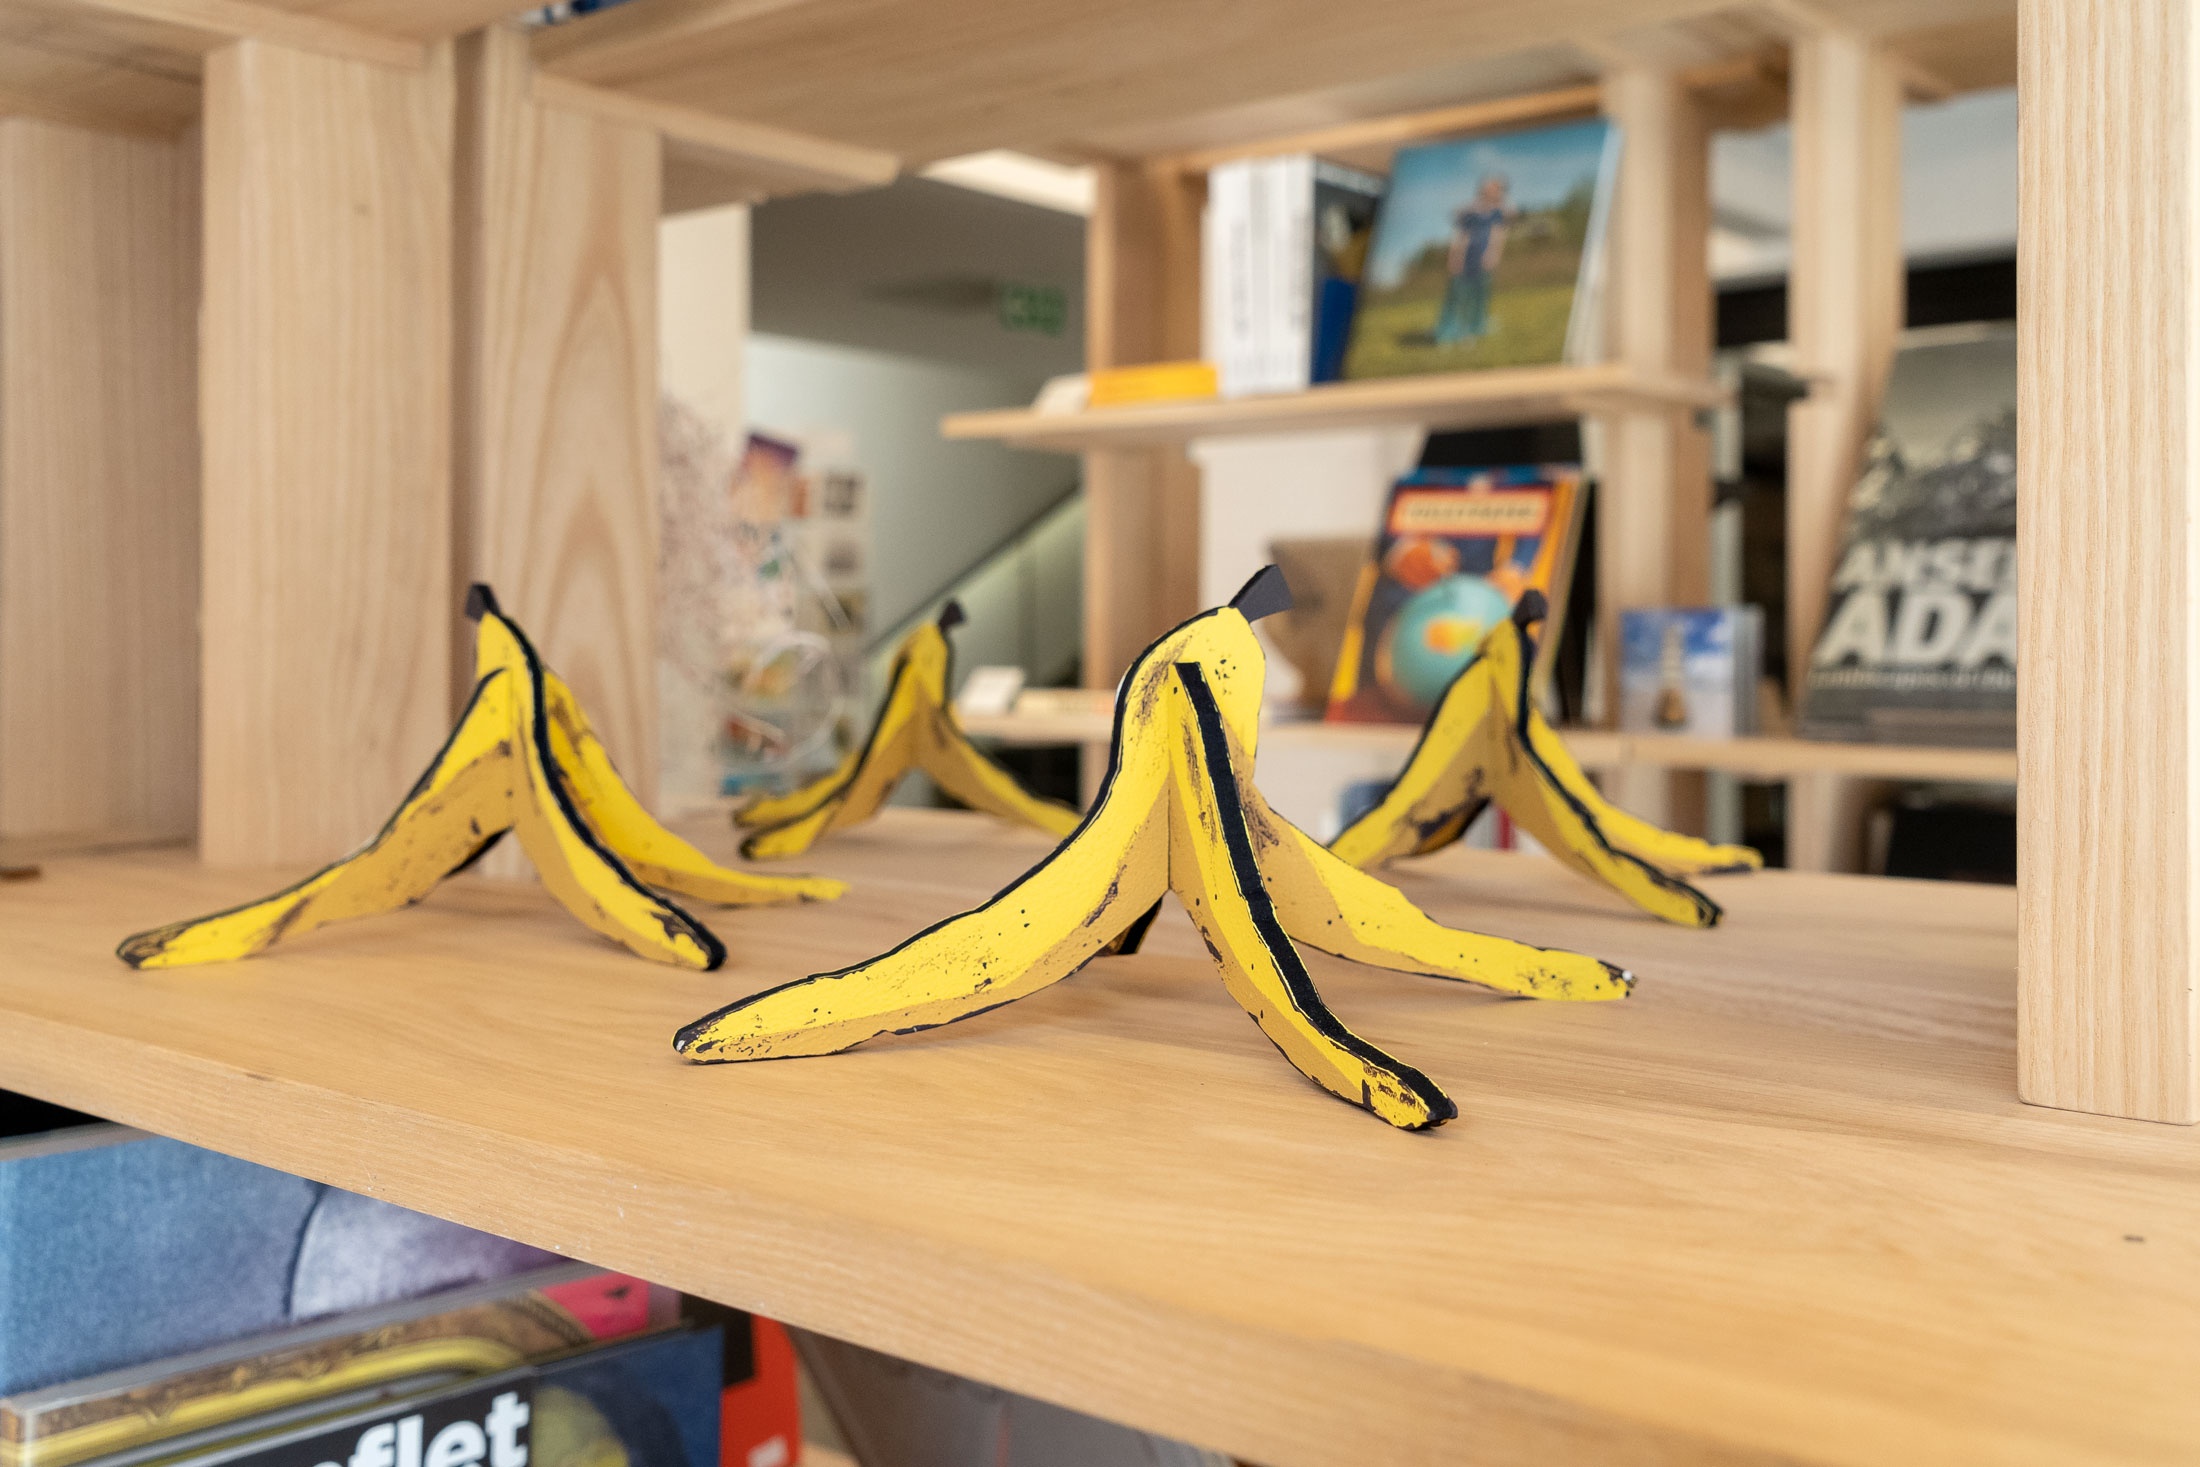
column 1487, row 252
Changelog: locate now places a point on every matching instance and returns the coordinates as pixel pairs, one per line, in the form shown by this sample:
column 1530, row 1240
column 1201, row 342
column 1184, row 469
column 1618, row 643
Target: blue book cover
column 117, row 1248
column 648, row 1403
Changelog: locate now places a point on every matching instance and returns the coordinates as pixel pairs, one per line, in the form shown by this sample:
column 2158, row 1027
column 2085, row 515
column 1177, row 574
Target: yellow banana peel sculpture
column 1178, row 812
column 915, row 729
column 522, row 759
column 1484, row 741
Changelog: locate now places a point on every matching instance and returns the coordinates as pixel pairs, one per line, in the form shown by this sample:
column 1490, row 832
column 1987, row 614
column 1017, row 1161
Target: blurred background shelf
column 1751, row 758
column 1488, row 399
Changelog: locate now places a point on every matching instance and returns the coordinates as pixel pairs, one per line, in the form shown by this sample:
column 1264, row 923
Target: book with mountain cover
column 1920, row 638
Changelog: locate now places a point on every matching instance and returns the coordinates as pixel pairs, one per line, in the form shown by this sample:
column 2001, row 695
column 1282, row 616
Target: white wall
column 1290, row 487
column 1959, row 186
column 702, row 332
column 936, row 507
column 703, row 310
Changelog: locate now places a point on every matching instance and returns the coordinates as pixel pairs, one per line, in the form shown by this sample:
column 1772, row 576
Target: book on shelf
column 1919, row 644
column 1282, row 243
column 760, row 1398
column 1691, row 670
column 650, row 1401
column 1457, row 549
column 118, row 1247
column 1488, row 252
column 264, row 1382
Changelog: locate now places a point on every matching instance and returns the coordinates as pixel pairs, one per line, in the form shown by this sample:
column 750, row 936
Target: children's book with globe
column 1458, row 548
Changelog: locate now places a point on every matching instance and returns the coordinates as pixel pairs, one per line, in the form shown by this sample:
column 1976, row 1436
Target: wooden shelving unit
column 1761, row 758
column 313, row 310
column 1782, row 1203
column 1446, row 400
column 1649, row 451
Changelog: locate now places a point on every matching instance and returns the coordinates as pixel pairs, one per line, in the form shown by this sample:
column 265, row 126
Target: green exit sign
column 1040, row 309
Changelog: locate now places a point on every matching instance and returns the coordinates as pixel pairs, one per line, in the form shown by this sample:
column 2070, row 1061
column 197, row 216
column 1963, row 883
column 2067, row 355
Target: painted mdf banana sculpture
column 1177, row 812
column 522, row 759
column 915, row 729
column 1484, row 741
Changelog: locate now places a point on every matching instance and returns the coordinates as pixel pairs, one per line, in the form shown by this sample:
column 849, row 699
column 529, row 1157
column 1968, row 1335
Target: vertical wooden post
column 2108, row 752
column 1844, row 312
column 326, row 407
column 1142, row 506
column 1654, row 505
column 99, row 483
column 556, row 484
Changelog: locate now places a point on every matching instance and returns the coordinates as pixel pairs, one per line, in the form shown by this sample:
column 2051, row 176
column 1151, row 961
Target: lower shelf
column 1782, row 1203
column 1765, row 758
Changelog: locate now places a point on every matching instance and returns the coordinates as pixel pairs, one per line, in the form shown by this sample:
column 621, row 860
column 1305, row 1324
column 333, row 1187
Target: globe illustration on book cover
column 1435, row 633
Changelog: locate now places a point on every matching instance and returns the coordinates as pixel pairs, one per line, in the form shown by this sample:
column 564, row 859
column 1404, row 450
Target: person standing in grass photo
column 1480, row 249
column 1477, row 245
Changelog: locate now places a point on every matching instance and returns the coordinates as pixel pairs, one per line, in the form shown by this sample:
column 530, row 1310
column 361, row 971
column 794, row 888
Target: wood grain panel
column 326, row 403
column 2107, row 745
column 1142, row 506
column 953, row 76
column 61, row 64
column 134, row 65
column 99, row 483
column 740, row 161
column 194, row 27
column 1781, row 1205
column 556, row 494
column 426, row 20
column 1653, row 504
column 1844, row 312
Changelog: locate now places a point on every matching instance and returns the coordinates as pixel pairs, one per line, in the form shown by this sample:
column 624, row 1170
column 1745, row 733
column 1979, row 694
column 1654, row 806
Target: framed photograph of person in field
column 1487, row 253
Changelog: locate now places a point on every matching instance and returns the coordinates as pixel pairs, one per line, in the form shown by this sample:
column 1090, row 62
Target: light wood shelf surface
column 137, row 66
column 1780, row 1204
column 1137, row 78
column 1145, row 77
column 1441, row 400
column 1770, row 758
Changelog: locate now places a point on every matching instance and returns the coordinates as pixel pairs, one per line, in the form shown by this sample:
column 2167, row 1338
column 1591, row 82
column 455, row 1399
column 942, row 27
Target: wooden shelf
column 1140, row 78
column 135, row 66
column 1767, row 758
column 1781, row 1203
column 1442, row 400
